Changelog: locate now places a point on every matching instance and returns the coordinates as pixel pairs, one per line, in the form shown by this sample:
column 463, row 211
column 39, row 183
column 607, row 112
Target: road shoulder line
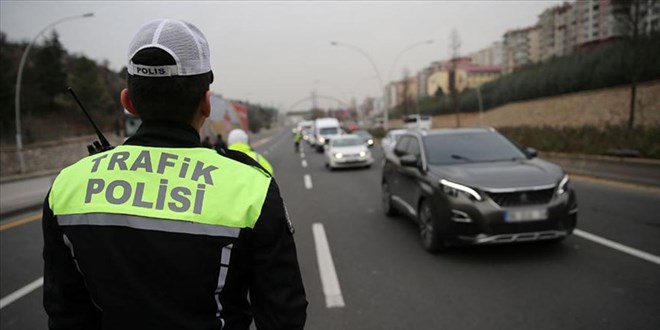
column 618, row 246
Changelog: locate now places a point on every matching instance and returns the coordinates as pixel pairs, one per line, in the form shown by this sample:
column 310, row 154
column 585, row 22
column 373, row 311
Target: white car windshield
column 347, row 142
column 328, row 130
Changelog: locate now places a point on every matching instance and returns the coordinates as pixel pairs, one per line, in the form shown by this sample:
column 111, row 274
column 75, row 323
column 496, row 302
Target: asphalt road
column 385, row 280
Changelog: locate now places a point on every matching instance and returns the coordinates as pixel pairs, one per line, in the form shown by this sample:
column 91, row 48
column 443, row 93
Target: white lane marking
column 308, row 181
column 18, row 294
column 302, row 154
column 331, row 289
column 617, row 246
column 304, row 163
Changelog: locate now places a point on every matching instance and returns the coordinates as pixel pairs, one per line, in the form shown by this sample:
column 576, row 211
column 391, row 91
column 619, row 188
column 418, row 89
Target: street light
column 19, row 76
column 389, row 74
column 417, row 44
column 373, row 65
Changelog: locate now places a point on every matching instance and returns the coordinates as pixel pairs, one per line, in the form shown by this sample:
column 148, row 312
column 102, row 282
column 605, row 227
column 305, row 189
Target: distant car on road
column 347, row 151
column 417, row 121
column 474, row 186
column 366, row 136
column 390, row 139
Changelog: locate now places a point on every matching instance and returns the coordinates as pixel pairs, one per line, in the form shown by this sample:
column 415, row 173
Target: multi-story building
column 489, row 56
column 596, row 21
column 422, row 82
column 521, row 47
column 557, row 31
column 651, row 20
column 467, row 75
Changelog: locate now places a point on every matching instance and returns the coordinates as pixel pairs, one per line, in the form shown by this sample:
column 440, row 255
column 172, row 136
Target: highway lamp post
column 19, row 76
column 481, row 113
column 373, row 65
column 405, row 50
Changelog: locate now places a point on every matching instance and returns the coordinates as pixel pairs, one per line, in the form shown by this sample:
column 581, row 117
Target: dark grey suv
column 475, row 186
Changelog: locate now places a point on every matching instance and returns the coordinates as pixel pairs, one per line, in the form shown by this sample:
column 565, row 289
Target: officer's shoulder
column 244, row 159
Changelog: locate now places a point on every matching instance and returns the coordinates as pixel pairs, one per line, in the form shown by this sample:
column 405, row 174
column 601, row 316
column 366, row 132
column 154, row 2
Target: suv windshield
column 346, row 142
column 468, row 147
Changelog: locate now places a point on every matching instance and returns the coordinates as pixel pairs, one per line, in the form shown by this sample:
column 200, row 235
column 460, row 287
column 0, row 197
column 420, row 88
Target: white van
column 417, row 121
column 324, row 130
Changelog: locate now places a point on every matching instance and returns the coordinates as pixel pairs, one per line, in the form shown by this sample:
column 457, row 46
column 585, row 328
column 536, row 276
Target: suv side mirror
column 409, row 160
column 531, row 152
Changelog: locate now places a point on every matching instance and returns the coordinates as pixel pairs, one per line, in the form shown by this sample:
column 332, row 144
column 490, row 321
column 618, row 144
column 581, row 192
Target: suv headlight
column 563, row 185
column 452, row 189
column 322, row 140
column 338, row 155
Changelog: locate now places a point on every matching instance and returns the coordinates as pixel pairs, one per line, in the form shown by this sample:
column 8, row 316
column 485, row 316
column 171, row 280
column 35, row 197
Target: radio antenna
column 104, row 142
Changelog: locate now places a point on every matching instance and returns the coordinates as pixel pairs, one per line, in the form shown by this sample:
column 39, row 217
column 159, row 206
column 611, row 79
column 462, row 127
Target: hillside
column 596, row 107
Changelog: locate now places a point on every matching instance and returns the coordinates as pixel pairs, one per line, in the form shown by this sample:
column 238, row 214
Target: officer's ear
column 205, row 104
column 125, row 100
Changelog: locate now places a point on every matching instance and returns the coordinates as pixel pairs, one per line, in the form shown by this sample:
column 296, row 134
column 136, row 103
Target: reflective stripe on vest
column 188, row 184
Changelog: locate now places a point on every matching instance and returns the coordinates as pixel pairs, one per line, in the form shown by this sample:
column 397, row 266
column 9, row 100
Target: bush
column 642, row 141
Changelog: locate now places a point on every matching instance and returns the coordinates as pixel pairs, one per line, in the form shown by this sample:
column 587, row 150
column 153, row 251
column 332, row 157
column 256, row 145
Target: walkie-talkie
column 95, row 147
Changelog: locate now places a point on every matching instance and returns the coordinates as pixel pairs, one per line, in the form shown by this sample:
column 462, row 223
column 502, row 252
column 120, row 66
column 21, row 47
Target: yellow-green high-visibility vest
column 187, row 184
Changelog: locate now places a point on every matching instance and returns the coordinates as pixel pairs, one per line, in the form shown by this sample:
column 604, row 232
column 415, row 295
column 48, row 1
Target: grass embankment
column 590, row 122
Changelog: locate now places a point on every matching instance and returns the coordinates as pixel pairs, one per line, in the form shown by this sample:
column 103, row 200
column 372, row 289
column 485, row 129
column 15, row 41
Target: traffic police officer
column 238, row 140
column 160, row 233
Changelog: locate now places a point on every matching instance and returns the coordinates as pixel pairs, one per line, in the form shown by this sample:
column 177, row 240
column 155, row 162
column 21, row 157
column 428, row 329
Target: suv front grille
column 522, row 198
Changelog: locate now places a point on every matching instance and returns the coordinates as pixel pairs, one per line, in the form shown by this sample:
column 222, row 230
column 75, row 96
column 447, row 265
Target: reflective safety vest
column 245, row 148
column 191, row 185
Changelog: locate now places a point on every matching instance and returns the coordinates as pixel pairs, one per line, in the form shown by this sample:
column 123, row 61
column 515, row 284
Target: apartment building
column 468, row 75
column 520, row 47
column 557, row 31
column 489, row 56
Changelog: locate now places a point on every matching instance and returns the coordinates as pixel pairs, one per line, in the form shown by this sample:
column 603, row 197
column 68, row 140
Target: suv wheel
column 389, row 210
column 429, row 231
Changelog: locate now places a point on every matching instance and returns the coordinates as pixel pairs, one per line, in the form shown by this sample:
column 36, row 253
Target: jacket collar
column 165, row 134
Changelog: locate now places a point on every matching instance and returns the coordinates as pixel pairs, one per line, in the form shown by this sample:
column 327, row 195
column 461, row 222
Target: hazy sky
column 278, row 52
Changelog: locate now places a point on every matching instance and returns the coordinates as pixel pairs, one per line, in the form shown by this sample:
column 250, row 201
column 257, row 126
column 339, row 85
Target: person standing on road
column 161, row 233
column 220, row 145
column 238, row 141
column 296, row 140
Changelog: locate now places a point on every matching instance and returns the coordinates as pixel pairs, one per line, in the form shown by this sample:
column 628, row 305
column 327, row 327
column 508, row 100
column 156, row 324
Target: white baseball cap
column 182, row 40
column 237, row 135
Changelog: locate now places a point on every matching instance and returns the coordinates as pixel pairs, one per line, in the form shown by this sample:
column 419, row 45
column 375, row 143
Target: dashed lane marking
column 331, row 289
column 304, row 163
column 20, row 293
column 308, row 181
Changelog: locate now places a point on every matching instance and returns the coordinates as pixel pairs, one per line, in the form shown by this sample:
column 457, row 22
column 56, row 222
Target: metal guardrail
column 640, row 171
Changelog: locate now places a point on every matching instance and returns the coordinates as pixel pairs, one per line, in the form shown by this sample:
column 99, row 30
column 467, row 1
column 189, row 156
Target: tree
column 632, row 16
column 7, row 86
column 51, row 77
column 454, row 49
column 87, row 84
column 406, row 103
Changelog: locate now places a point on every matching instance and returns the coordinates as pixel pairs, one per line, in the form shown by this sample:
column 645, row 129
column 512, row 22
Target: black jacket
column 115, row 277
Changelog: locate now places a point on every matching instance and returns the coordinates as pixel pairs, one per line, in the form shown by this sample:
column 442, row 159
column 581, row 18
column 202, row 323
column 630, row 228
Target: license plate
column 525, row 215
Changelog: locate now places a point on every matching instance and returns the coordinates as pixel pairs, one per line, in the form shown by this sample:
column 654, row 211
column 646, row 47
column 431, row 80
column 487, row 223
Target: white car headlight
column 452, row 188
column 563, row 185
column 338, row 155
column 322, row 140
column 363, row 154
column 370, row 142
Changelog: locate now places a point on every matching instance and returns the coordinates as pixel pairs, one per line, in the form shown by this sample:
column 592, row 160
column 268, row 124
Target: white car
column 347, row 151
column 390, row 139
